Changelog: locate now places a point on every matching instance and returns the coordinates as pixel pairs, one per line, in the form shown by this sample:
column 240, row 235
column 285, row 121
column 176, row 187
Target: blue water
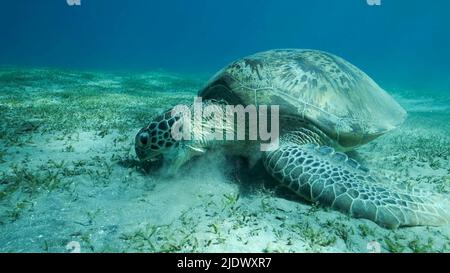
column 399, row 43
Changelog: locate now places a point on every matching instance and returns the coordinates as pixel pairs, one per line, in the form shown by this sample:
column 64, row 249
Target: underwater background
column 398, row 41
column 78, row 82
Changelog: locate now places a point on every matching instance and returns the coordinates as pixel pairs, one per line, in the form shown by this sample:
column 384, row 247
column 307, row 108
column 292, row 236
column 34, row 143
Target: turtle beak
column 155, row 158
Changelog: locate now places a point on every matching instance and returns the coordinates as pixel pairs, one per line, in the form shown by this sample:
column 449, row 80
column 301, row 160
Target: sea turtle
column 327, row 107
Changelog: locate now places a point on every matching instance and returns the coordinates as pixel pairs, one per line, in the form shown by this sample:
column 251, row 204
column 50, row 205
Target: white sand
column 212, row 205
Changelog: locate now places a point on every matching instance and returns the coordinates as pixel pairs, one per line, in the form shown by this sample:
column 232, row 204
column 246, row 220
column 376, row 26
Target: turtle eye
column 144, row 138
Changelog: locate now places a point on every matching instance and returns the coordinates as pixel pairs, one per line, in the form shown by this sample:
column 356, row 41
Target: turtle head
column 155, row 139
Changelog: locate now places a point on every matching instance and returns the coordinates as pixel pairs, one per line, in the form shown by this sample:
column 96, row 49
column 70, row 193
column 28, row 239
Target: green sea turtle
column 327, row 106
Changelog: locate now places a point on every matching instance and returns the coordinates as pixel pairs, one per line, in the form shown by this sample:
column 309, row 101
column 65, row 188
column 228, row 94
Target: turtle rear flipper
column 319, row 174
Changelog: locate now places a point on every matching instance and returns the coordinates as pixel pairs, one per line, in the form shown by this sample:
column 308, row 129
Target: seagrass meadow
column 68, row 172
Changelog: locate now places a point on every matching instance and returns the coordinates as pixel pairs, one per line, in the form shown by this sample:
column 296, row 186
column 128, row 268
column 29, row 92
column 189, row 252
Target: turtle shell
column 313, row 86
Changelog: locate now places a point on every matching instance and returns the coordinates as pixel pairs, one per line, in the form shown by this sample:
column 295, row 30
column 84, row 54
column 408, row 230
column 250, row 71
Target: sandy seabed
column 69, row 175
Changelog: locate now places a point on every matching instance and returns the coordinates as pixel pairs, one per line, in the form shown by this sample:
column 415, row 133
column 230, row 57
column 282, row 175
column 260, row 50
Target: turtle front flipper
column 319, row 174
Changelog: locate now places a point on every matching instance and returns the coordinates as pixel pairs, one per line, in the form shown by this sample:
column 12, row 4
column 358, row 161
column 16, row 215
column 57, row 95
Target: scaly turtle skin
column 327, row 106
